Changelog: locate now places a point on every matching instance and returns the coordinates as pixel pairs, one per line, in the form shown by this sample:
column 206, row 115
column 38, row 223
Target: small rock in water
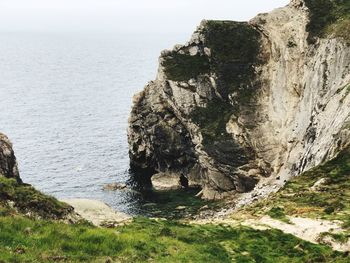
column 200, row 193
column 114, row 186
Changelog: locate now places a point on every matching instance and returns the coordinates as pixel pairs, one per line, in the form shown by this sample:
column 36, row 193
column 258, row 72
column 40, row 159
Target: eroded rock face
column 242, row 104
column 8, row 163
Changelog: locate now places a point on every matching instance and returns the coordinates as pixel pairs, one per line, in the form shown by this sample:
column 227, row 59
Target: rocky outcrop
column 246, row 104
column 8, row 163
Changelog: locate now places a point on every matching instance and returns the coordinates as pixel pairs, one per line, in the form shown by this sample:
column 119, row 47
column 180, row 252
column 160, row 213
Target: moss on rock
column 235, row 48
column 26, row 199
column 232, row 41
column 183, row 67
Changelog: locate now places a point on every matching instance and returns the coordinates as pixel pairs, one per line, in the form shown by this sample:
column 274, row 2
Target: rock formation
column 248, row 103
column 8, row 163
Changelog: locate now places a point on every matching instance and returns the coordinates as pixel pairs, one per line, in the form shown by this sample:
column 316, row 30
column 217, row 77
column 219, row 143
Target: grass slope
column 25, row 240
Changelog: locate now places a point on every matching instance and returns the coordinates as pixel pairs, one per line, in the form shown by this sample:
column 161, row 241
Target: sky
column 124, row 15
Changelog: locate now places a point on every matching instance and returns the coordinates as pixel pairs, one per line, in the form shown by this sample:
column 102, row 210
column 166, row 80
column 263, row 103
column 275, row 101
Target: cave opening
column 184, row 181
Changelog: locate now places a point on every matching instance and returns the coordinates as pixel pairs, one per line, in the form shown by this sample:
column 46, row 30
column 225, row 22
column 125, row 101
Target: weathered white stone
column 193, row 50
column 166, row 181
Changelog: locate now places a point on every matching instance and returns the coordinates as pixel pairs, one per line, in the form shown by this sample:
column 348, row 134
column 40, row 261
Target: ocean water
column 65, row 100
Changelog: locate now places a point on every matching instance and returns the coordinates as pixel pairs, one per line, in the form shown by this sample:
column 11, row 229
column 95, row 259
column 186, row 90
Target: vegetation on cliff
column 329, row 17
column 27, row 200
column 183, row 67
column 234, row 48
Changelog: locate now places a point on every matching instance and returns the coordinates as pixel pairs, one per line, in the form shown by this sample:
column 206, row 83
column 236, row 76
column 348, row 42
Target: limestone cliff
column 247, row 105
column 8, row 163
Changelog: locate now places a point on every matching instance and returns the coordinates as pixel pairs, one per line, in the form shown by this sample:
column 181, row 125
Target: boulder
column 166, row 181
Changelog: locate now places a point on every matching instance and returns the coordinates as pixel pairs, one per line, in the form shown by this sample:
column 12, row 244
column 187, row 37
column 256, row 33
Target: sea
column 65, row 99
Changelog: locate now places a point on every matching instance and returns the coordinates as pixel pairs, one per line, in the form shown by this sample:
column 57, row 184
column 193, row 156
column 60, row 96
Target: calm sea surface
column 65, row 101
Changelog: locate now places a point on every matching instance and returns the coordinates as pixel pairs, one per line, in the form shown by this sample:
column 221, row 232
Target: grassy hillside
column 144, row 240
column 24, row 239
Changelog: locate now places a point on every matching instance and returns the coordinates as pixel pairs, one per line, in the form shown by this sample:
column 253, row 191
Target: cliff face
column 8, row 163
column 245, row 106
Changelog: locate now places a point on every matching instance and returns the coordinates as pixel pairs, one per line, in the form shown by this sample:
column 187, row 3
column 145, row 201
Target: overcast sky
column 124, row 15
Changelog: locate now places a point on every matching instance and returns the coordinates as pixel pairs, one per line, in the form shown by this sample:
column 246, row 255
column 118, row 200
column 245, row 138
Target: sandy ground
column 97, row 212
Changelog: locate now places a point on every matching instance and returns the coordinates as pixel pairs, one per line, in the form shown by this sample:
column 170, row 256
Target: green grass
column 27, row 200
column 25, row 240
column 328, row 17
column 330, row 201
column 278, row 213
